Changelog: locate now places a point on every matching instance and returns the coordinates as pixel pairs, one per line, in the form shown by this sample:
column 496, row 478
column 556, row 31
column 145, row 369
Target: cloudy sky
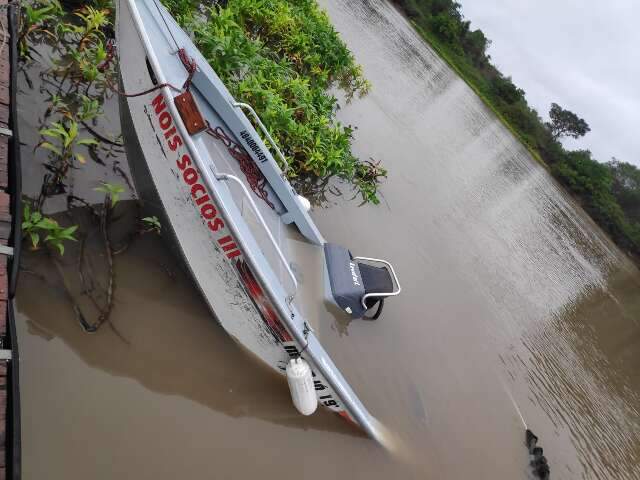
column 583, row 55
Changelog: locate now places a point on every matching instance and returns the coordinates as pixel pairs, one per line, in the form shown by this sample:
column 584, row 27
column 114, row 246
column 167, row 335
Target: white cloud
column 584, row 56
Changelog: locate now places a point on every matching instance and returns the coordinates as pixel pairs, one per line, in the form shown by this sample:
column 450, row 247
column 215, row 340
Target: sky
column 581, row 54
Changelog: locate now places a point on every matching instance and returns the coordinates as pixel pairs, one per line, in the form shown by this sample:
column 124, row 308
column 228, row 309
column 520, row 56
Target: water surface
column 510, row 294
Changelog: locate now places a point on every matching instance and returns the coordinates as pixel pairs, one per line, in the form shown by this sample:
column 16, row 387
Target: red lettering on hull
column 225, row 239
column 208, row 211
column 190, row 174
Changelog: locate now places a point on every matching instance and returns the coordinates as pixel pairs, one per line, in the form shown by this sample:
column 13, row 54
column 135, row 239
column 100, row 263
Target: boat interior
column 319, row 278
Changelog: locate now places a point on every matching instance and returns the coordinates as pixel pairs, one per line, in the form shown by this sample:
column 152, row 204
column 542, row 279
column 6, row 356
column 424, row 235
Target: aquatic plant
column 78, row 56
column 37, row 19
column 111, row 191
column 82, row 50
column 65, row 134
column 284, row 58
column 35, row 225
column 151, row 224
column 62, row 139
column 78, row 83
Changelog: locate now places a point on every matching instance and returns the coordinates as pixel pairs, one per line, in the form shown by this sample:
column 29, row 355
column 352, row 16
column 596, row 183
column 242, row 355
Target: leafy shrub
column 283, row 57
column 35, row 225
column 37, row 20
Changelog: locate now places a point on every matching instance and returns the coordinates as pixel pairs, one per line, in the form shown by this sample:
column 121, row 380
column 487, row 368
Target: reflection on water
column 582, row 371
column 162, row 337
column 508, row 287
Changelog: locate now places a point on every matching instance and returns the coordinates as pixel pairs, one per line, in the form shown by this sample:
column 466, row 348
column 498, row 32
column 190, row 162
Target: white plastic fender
column 305, row 202
column 303, row 393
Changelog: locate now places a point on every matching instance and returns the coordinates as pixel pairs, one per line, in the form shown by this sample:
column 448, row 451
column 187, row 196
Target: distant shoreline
column 595, row 186
column 441, row 50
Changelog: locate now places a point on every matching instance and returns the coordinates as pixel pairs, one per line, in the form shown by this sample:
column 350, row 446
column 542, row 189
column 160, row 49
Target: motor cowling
column 300, row 379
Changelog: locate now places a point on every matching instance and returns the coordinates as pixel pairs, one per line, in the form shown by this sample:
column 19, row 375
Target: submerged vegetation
column 76, row 78
column 35, row 226
column 609, row 192
column 76, row 85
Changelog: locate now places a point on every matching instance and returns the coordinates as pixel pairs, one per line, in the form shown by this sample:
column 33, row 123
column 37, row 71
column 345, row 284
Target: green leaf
column 72, row 134
column 87, row 141
column 35, row 239
column 60, row 247
column 47, row 224
column 49, row 146
column 81, row 158
column 67, row 233
column 50, row 132
column 112, row 190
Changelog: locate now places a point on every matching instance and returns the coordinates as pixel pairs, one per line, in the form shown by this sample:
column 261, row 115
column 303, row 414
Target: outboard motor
column 357, row 284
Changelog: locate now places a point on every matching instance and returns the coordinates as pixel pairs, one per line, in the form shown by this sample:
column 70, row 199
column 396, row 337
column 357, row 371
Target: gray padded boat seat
column 375, row 280
column 350, row 279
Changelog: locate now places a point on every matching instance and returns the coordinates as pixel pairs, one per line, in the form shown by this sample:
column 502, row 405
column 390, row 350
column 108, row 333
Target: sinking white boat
column 259, row 260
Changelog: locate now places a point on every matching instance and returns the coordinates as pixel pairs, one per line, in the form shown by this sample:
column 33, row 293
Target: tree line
column 609, row 192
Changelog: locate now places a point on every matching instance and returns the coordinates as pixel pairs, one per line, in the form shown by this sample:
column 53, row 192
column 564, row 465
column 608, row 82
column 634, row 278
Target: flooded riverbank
column 510, row 291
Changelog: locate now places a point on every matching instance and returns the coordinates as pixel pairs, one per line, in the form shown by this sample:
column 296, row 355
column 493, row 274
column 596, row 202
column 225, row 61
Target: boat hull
column 173, row 174
column 160, row 184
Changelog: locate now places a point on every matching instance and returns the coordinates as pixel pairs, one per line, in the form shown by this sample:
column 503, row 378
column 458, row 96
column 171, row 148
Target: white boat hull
column 166, row 165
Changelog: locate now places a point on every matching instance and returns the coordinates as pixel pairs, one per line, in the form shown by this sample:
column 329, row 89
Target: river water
column 511, row 297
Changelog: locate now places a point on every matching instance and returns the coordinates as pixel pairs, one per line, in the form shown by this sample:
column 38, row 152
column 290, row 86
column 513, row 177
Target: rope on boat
column 305, row 331
column 188, row 63
column 254, row 176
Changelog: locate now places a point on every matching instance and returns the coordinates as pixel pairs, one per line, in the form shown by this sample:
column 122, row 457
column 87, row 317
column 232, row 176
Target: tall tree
column 626, row 187
column 565, row 123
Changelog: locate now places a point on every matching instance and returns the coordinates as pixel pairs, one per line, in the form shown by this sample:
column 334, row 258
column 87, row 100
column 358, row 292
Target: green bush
column 283, row 57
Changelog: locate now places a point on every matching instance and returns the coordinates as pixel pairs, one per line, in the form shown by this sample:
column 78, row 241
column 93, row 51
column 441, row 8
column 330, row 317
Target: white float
column 303, row 393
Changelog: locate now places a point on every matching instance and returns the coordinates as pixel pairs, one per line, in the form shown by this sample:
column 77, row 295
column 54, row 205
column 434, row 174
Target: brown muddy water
column 511, row 295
